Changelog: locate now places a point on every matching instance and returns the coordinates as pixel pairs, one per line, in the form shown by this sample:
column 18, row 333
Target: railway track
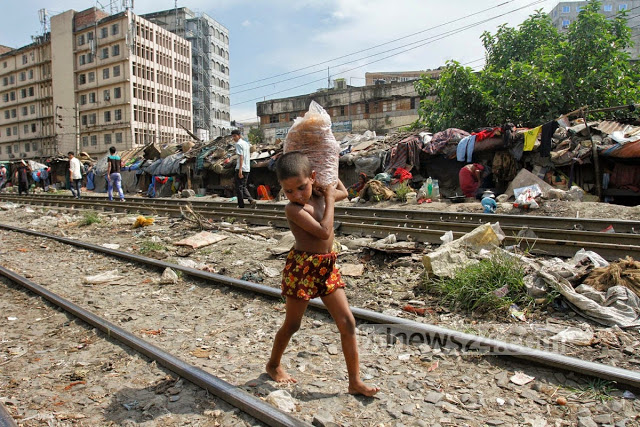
column 538, row 235
column 621, row 376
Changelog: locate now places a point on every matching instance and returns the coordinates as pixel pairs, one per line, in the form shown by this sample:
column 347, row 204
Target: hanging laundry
column 545, row 139
column 464, row 151
column 530, row 137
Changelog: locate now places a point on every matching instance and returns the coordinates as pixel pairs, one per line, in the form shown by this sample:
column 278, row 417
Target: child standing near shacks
column 310, row 269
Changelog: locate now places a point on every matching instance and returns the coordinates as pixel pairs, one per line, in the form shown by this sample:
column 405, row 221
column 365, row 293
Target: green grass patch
column 151, row 246
column 402, row 190
column 596, row 388
column 90, row 217
column 478, row 287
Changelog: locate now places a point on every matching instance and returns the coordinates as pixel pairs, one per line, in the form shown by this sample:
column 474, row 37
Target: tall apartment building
column 94, row 81
column 567, row 12
column 210, row 73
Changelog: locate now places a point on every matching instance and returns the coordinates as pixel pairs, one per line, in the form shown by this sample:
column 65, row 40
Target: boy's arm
column 322, row 229
column 341, row 192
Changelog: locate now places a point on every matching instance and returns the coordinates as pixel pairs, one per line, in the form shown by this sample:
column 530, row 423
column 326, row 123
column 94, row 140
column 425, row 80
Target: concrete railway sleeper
column 563, row 241
column 405, row 326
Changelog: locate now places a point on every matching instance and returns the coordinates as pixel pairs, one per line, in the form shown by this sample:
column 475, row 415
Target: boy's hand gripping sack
column 312, row 136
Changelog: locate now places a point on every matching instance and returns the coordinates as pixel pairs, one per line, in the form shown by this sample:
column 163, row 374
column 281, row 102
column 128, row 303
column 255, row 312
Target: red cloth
column 468, row 180
column 486, row 134
column 306, row 276
column 402, row 175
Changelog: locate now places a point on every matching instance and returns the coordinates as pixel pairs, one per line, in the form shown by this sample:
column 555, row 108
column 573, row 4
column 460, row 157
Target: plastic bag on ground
column 312, row 136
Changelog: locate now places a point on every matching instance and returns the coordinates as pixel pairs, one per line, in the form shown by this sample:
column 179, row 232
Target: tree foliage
column 534, row 73
column 256, row 135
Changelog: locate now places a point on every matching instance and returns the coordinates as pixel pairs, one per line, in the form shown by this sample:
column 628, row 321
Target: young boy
column 310, row 268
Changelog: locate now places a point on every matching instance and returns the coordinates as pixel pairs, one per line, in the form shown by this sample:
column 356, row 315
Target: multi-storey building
column 381, row 108
column 567, row 12
column 94, row 81
column 397, row 76
column 210, row 73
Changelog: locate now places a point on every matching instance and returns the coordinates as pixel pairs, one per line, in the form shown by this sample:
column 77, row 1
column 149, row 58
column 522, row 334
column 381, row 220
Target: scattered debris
column 107, row 278
column 204, row 238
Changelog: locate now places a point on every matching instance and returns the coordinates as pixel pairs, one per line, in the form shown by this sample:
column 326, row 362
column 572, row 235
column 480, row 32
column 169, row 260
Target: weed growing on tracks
column 90, row 217
column 492, row 284
column 596, row 388
column 402, row 190
column 151, row 246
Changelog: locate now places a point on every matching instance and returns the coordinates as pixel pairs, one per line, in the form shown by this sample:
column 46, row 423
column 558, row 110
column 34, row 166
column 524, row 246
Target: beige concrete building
column 98, row 80
column 397, row 76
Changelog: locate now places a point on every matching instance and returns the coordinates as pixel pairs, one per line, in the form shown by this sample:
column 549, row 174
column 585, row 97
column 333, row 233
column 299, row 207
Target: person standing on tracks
column 114, row 164
column 243, row 167
column 3, row 175
column 75, row 174
column 22, row 176
column 310, row 269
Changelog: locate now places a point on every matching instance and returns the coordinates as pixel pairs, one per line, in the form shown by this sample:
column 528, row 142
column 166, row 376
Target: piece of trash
column 142, row 221
column 73, row 384
column 130, row 405
column 12, row 318
column 500, row 401
column 270, row 271
column 352, row 270
column 282, row 400
column 110, row 245
column 406, row 356
column 502, row 292
column 168, row 277
column 433, row 367
column 447, row 237
column 204, row 238
column 521, row 379
column 609, row 229
column 574, row 336
column 561, row 401
column 151, row 331
column 108, row 277
column 201, row 353
column 516, row 313
column 411, row 309
column 628, row 395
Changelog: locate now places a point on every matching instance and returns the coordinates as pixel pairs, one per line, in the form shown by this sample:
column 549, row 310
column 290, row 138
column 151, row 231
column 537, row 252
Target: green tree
column 256, row 135
column 534, row 73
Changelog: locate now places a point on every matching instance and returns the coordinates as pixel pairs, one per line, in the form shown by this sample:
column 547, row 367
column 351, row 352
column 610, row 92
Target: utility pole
column 328, row 79
column 77, row 112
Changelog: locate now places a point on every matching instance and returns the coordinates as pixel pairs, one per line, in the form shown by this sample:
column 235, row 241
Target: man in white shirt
column 75, row 174
column 243, row 167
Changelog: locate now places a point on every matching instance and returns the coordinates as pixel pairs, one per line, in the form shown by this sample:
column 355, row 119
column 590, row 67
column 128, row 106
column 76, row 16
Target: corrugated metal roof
column 610, row 127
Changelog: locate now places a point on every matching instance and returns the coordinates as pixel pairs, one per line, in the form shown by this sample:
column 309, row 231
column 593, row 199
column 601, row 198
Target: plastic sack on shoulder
column 312, row 136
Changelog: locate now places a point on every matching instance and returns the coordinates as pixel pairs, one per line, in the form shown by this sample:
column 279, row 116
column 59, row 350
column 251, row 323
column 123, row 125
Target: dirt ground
column 421, row 386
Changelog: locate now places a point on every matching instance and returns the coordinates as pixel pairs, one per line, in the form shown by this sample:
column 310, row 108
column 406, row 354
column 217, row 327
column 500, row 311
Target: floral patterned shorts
column 306, row 276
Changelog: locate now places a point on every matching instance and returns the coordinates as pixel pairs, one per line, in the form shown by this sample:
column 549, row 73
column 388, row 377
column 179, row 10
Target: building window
column 608, row 8
column 30, row 74
column 5, row 97
column 114, row 29
column 83, row 99
column 565, row 23
column 622, row 7
column 23, row 76
column 107, row 95
column 80, row 39
column 8, row 130
column 31, row 91
column 342, row 110
column 115, row 50
column 25, row 111
column 273, row 119
column 92, row 119
column 82, row 79
column 116, row 92
column 566, row 9
column 32, row 109
column 92, row 98
column 105, row 53
column 14, row 113
column 117, row 115
column 413, row 103
column 92, row 77
column 8, row 146
column 104, row 32
column 12, row 79
column 107, row 116
column 107, row 139
column 33, row 129
column 85, row 141
column 83, row 119
column 90, row 35
column 82, row 60
column 116, row 71
column 24, row 59
column 27, row 147
column 12, row 96
column 89, row 58
column 366, row 108
column 94, row 139
column 7, row 114
column 105, row 73
column 118, row 137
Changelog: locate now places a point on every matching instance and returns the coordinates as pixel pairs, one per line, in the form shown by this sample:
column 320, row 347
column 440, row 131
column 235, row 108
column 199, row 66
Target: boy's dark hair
column 70, row 153
column 112, row 150
column 235, row 132
column 292, row 164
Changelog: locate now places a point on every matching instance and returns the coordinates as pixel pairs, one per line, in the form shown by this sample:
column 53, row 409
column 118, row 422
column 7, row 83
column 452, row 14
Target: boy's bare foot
column 361, row 388
column 277, row 373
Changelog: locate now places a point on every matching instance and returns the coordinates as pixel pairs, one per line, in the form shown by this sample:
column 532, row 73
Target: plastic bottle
column 429, row 187
column 436, row 190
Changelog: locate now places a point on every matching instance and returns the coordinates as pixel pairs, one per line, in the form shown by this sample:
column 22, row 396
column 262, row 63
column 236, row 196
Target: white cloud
column 246, row 23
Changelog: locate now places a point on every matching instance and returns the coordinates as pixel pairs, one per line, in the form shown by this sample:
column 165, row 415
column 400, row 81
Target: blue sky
column 273, row 37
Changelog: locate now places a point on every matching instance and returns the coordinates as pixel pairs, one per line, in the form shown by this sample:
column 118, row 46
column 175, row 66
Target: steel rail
column 231, row 394
column 562, row 223
column 496, row 347
column 565, row 242
column 6, row 420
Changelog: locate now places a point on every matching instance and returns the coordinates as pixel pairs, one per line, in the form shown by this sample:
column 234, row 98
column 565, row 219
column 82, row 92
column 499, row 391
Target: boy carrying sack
column 310, row 269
